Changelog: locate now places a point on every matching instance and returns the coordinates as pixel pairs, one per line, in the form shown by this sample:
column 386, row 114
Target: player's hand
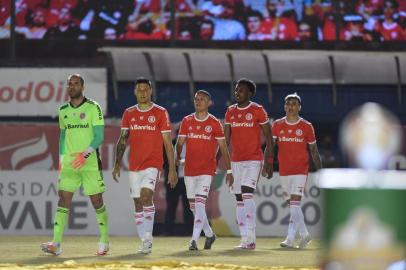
column 80, row 160
column 267, row 170
column 116, row 172
column 172, row 178
column 229, row 179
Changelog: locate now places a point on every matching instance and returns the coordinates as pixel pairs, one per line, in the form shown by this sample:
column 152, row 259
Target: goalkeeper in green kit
column 82, row 132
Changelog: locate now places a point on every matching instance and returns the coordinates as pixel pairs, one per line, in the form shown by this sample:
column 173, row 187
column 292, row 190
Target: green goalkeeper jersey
column 78, row 124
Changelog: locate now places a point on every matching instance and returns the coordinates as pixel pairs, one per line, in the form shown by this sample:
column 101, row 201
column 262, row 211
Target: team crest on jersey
column 151, row 119
column 248, row 116
column 208, row 129
column 299, row 132
column 82, row 115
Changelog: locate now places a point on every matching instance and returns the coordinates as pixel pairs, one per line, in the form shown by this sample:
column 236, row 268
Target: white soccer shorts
column 143, row 179
column 245, row 173
column 197, row 185
column 293, row 185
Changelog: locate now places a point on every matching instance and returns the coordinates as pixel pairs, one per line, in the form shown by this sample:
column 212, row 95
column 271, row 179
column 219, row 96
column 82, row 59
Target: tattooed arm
column 120, row 149
column 314, row 152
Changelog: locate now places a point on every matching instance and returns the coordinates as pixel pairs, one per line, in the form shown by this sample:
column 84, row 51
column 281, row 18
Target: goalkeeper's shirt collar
column 83, row 101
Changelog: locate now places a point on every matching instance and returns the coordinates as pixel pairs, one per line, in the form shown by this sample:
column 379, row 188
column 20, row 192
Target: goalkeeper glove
column 80, row 159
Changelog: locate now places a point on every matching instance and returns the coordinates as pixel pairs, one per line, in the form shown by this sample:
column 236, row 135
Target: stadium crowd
column 285, row 20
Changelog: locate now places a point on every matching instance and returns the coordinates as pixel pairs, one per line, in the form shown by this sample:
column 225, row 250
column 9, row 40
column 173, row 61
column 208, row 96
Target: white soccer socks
column 149, row 214
column 241, row 219
column 250, row 214
column 200, row 217
column 139, row 224
column 297, row 221
column 208, row 232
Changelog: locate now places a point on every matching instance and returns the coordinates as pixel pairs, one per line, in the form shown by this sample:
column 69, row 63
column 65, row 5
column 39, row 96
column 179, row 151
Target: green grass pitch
column 23, row 252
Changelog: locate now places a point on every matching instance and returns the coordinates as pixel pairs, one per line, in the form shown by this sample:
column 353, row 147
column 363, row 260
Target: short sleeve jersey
column 145, row 136
column 391, row 31
column 78, row 123
column 201, row 144
column 292, row 140
column 245, row 131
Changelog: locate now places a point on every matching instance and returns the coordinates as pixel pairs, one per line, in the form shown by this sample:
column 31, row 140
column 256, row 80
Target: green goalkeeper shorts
column 92, row 181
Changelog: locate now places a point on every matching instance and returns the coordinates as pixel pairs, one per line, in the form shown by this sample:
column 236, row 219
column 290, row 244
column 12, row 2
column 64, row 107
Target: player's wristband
column 229, row 171
column 88, row 151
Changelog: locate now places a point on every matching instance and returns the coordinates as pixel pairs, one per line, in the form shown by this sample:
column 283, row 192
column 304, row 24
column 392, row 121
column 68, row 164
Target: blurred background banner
column 219, row 20
column 362, row 225
column 40, row 91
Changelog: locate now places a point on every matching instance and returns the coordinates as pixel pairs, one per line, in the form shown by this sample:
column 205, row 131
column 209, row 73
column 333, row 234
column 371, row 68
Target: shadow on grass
column 294, row 249
column 239, row 252
column 51, row 259
column 189, row 253
column 128, row 257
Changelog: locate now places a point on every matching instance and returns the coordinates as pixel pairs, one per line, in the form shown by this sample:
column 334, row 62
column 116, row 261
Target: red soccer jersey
column 145, row 136
column 292, row 140
column 245, row 131
column 201, row 144
column 391, row 31
column 280, row 28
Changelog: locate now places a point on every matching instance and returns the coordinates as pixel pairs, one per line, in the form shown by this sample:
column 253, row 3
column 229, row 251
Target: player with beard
column 244, row 122
column 82, row 132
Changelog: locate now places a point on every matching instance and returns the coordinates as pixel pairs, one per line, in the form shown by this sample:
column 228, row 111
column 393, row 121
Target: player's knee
column 146, row 196
column 64, row 202
column 146, row 199
column 295, row 198
column 138, row 204
column 246, row 189
column 97, row 202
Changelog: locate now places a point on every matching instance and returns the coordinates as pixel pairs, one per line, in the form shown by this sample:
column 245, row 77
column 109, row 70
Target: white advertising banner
column 28, row 200
column 40, row 91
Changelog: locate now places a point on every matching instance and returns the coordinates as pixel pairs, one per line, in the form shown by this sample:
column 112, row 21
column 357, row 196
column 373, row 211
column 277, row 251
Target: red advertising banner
column 35, row 146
